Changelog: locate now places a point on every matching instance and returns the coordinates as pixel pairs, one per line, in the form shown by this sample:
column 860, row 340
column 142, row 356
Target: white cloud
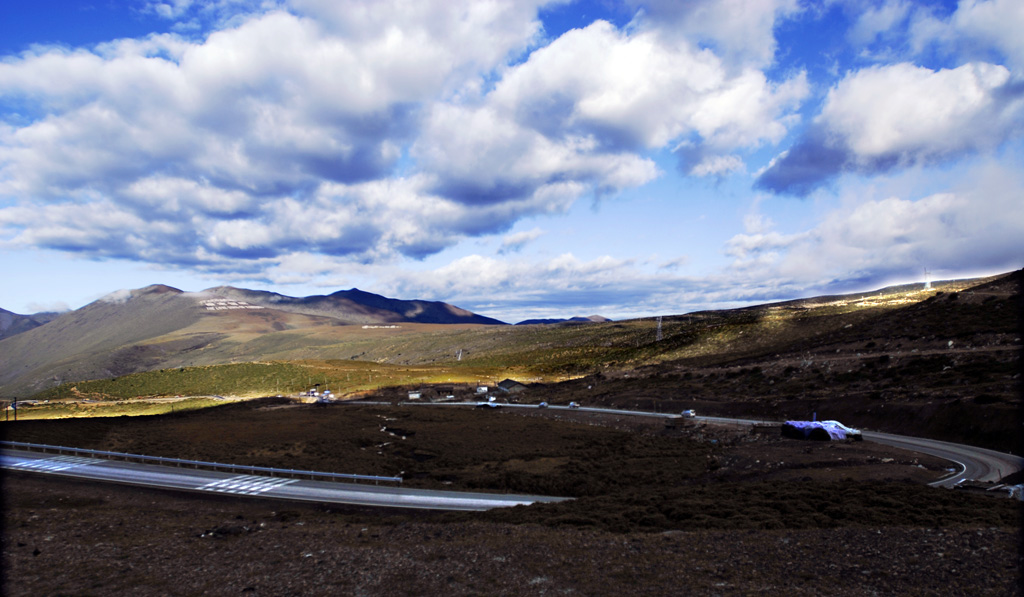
column 280, row 131
column 995, row 22
column 915, row 113
column 441, row 37
column 976, row 28
column 171, row 9
column 879, row 21
column 320, row 142
column 117, row 297
column 639, row 89
column 718, row 165
column 974, row 226
column 515, row 242
column 582, row 107
column 894, row 116
column 741, row 30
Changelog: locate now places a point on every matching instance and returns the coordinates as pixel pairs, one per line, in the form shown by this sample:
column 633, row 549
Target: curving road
column 284, row 488
column 974, row 463
column 979, row 464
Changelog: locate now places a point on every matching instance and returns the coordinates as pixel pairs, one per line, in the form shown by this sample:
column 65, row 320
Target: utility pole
column 657, row 337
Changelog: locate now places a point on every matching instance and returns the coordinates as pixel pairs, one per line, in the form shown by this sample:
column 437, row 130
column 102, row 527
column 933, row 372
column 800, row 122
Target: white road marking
column 57, row 463
column 246, row 484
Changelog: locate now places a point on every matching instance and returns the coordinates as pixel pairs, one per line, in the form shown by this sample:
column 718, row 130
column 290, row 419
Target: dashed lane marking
column 246, row 484
column 57, row 463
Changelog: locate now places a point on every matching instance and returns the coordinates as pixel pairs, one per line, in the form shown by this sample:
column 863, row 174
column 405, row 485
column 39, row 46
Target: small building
column 415, row 394
column 511, row 386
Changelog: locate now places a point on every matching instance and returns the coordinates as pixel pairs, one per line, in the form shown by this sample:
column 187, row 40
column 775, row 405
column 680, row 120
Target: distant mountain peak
column 123, row 295
column 589, row 319
column 159, row 289
column 354, row 306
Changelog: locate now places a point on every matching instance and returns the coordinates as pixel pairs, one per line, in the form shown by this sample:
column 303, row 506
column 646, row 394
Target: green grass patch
column 64, row 410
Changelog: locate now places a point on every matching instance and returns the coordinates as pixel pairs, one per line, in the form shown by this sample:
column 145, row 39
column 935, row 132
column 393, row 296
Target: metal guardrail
column 202, row 464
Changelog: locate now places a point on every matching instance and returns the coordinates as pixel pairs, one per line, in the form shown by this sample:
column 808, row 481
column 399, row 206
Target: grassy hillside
column 287, row 353
column 344, row 378
column 101, row 339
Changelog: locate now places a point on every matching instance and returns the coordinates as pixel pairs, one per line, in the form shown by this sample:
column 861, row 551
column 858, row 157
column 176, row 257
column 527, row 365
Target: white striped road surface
column 246, row 484
column 54, row 464
column 284, row 488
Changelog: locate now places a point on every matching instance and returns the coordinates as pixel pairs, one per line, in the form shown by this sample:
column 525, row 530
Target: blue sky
column 519, row 159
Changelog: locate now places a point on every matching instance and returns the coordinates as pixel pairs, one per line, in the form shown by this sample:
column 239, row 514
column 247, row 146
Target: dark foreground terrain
column 695, row 510
column 698, row 509
column 77, row 539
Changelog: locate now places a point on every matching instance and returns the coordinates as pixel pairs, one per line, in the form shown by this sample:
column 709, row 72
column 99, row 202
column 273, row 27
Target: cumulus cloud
column 883, row 117
column 879, row 22
column 581, row 108
column 275, row 133
column 282, row 128
column 975, row 226
column 539, row 288
column 977, row 28
column 741, row 30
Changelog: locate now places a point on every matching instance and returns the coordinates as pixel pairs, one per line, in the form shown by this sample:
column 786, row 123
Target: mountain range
column 12, row 324
column 590, row 319
column 160, row 326
column 163, row 328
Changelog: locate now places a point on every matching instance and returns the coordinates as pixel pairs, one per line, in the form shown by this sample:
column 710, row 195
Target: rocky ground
column 696, row 510
column 77, row 539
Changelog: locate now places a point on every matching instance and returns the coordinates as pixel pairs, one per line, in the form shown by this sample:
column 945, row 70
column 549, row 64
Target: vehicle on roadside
column 542, row 405
column 851, row 433
column 820, row 431
column 574, row 405
column 689, row 413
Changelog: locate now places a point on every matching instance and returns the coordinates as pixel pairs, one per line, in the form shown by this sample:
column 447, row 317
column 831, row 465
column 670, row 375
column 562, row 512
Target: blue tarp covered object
column 823, row 430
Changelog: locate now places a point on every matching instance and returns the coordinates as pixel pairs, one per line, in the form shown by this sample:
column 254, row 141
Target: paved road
column 167, row 477
column 974, row 463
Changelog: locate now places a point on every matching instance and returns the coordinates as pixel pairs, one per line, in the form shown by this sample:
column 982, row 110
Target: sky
column 520, row 159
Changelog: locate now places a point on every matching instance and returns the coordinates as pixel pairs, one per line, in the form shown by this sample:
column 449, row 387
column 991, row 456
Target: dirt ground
column 699, row 509
column 79, row 539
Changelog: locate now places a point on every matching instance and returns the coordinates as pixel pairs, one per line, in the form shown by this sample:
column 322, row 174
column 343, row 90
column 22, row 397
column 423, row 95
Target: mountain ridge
column 158, row 326
column 552, row 321
column 356, row 306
